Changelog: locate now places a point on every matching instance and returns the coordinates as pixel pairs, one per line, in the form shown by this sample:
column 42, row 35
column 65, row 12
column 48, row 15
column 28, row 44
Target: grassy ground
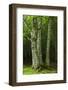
column 28, row 70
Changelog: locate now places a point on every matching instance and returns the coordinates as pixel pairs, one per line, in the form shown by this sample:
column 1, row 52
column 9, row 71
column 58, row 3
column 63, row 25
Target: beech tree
column 36, row 43
column 48, row 42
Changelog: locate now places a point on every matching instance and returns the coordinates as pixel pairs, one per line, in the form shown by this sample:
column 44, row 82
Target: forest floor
column 27, row 70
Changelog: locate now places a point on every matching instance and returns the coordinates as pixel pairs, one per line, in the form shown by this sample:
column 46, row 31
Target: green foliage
column 28, row 24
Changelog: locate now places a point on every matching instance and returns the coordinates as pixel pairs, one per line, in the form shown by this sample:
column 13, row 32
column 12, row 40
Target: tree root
column 38, row 68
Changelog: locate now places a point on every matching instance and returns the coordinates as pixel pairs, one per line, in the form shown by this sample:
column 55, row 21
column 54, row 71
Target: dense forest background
column 40, row 31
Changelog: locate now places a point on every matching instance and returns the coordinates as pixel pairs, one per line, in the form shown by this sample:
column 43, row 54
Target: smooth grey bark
column 39, row 41
column 36, row 44
column 48, row 43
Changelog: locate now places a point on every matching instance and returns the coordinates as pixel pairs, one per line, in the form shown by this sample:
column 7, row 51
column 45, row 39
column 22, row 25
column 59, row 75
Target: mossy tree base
column 28, row 70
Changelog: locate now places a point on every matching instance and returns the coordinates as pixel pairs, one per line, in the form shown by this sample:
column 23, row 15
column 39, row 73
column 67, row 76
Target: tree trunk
column 36, row 44
column 48, row 43
column 35, row 62
column 39, row 41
